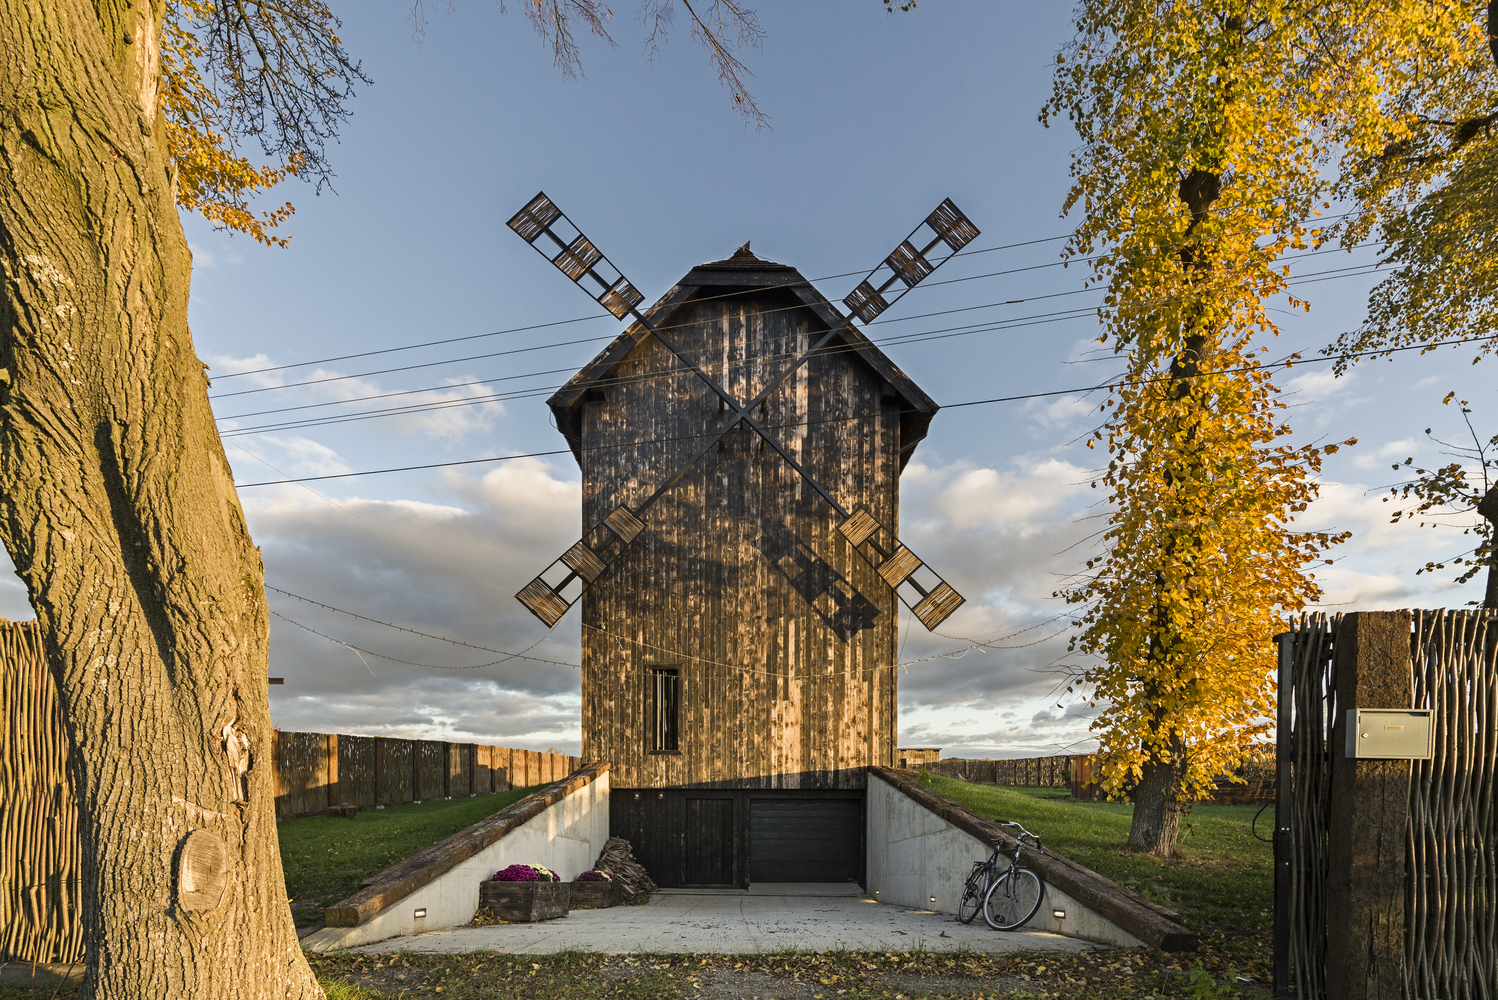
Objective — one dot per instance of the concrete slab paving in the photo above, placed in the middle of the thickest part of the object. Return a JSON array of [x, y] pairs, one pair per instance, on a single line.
[[766, 918]]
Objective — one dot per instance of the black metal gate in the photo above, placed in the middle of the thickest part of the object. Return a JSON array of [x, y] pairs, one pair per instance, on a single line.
[[1451, 891]]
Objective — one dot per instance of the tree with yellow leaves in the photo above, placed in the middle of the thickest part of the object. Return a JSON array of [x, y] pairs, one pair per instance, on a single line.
[[1429, 197], [1213, 134]]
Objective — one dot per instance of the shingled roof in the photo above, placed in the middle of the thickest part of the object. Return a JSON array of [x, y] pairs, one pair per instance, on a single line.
[[741, 270]]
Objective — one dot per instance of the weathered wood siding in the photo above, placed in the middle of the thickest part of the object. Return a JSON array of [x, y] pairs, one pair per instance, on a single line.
[[784, 637], [356, 771]]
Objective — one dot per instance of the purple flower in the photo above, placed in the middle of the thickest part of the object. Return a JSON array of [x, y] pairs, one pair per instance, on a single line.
[[594, 875], [526, 873]]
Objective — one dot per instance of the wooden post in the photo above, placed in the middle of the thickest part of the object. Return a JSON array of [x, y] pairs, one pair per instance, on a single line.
[[332, 769], [447, 769], [1367, 833], [275, 769], [379, 768]]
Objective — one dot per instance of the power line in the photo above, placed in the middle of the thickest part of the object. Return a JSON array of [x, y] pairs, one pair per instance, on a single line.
[[900, 339], [580, 319], [758, 312], [425, 635], [583, 319], [413, 663], [416, 408], [691, 353], [1110, 385]]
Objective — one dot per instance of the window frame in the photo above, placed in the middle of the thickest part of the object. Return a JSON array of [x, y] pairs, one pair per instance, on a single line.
[[662, 709]]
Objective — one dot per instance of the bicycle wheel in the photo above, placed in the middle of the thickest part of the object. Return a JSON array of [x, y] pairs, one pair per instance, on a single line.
[[972, 897], [1013, 899]]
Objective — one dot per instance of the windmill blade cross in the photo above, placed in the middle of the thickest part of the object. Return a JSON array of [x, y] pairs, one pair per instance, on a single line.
[[578, 258]]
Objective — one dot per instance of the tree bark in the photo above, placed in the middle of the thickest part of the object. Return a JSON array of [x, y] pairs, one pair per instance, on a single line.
[[1488, 508], [1157, 813], [119, 511]]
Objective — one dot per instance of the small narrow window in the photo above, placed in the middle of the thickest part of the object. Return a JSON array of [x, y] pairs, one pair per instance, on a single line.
[[662, 698]]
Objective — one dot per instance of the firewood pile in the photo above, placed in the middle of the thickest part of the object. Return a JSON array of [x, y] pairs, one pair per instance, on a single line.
[[619, 861]]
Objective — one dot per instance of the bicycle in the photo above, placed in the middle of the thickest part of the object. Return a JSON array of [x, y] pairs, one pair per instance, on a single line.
[[1009, 898]]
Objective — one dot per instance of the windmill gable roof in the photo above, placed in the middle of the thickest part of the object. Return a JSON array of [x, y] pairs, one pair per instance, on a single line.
[[745, 270]]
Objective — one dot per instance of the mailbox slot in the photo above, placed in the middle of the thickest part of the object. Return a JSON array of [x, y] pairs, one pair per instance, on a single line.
[[1390, 733]]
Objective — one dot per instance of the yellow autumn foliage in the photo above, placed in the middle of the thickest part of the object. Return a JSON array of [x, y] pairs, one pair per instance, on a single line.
[[211, 176], [1213, 137]]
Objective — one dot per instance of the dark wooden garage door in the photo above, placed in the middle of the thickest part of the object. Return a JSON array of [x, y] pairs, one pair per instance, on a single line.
[[709, 842], [805, 840]]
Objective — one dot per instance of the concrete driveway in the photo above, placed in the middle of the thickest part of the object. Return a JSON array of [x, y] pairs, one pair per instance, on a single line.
[[765, 918]]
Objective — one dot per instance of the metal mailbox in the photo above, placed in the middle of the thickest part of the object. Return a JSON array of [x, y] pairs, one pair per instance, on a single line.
[[1390, 733]]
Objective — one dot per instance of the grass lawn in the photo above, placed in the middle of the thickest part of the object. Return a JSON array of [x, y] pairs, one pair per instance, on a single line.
[[326, 859], [1222, 883]]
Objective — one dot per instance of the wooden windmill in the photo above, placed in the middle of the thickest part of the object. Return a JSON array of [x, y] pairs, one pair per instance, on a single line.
[[741, 445], [576, 256]]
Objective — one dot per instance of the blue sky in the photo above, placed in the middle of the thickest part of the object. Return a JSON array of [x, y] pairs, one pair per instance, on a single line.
[[875, 118]]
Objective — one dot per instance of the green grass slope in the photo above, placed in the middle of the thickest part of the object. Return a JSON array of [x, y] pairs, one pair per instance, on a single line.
[[326, 859], [1222, 882]]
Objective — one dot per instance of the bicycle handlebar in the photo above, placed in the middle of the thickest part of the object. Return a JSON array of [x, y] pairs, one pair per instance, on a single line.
[[1023, 833]]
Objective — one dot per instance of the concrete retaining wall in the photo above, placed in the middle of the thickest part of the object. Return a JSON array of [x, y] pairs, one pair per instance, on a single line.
[[565, 834], [920, 859]]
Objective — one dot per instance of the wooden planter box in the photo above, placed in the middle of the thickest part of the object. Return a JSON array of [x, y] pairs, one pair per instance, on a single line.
[[526, 902], [595, 895]]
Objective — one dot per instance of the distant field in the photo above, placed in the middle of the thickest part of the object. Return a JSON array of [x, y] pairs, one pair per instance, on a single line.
[[1222, 883], [326, 859]]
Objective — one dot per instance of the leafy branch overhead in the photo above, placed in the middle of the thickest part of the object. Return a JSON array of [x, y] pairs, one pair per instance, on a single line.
[[234, 70], [277, 73]]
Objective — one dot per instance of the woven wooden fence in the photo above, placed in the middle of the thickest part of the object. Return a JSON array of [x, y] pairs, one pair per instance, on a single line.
[[40, 898], [1452, 924], [1448, 925]]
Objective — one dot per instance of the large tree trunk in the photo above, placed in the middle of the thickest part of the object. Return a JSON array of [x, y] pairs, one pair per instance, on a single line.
[[1157, 817], [120, 514]]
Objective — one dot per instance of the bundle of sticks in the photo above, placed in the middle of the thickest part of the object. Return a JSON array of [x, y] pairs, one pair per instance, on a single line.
[[618, 859]]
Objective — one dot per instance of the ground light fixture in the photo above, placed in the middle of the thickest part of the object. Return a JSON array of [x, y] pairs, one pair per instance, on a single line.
[[421, 913], [1059, 914]]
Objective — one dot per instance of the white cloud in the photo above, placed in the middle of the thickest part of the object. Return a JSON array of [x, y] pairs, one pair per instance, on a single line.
[[1386, 454], [282, 398]]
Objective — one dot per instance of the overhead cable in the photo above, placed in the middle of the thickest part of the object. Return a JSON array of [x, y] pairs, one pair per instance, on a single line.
[[1109, 385]]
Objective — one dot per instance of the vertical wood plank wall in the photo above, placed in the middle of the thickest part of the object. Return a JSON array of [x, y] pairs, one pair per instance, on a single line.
[[379, 770], [784, 637]]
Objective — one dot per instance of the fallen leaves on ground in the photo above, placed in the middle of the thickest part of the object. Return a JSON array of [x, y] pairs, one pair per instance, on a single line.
[[1112, 974]]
